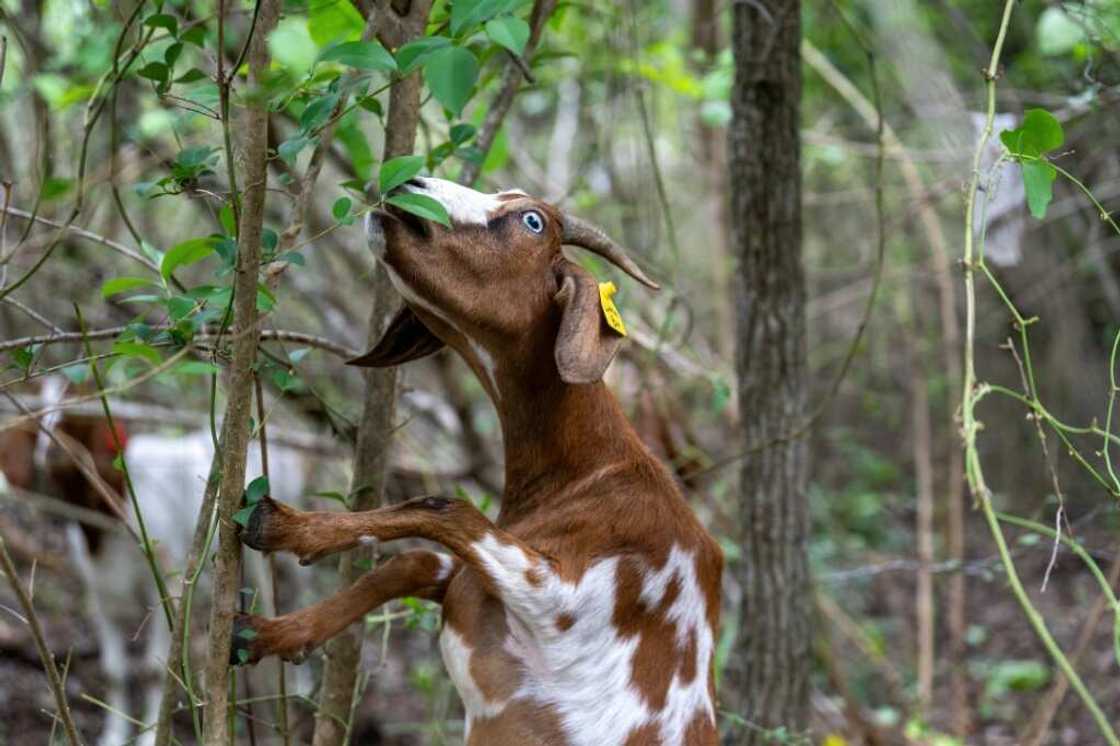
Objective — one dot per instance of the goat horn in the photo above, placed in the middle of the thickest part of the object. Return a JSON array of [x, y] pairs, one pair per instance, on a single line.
[[581, 233]]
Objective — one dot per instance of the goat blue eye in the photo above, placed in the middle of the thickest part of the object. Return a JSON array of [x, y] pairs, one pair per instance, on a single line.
[[533, 221]]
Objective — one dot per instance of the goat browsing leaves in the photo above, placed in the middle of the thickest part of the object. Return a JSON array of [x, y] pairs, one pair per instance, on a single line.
[[421, 205], [397, 171]]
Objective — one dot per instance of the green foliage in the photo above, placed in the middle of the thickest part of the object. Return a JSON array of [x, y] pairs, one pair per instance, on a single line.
[[450, 73], [363, 55], [397, 171], [421, 205], [1029, 143]]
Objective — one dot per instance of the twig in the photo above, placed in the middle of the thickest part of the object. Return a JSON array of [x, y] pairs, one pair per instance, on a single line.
[[310, 340], [45, 655], [107, 242], [250, 221], [970, 427], [503, 100]]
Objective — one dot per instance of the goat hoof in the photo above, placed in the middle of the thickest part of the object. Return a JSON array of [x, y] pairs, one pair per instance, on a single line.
[[255, 534], [242, 650]]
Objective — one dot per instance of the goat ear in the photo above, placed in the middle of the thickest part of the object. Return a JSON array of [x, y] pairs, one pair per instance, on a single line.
[[405, 339], [585, 344]]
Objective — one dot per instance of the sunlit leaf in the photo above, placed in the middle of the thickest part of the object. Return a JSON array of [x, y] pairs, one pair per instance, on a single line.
[[510, 32], [121, 284], [422, 206], [397, 171], [187, 252], [451, 74], [1038, 180], [1039, 134], [412, 55], [363, 55]]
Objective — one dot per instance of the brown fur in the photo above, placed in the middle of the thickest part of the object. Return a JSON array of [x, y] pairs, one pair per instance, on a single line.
[[580, 486]]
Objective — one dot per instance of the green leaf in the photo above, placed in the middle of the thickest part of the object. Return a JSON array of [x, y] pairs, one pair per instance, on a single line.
[[180, 307], [292, 257], [247, 633], [1039, 133], [397, 171], [412, 55], [266, 301], [121, 284], [318, 112], [137, 349], [156, 71], [163, 20], [195, 35], [462, 132], [171, 55], [334, 20], [290, 149], [510, 32], [341, 208], [187, 252], [291, 45], [241, 518], [1038, 179], [196, 368], [467, 13], [257, 489], [421, 205], [55, 187], [191, 76], [451, 74], [363, 55]]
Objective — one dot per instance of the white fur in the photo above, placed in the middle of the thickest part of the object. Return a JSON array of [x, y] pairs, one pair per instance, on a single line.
[[169, 477], [584, 673], [464, 205], [446, 565]]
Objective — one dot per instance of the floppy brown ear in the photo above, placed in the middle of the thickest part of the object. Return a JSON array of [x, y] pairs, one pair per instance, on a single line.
[[585, 344], [405, 339]]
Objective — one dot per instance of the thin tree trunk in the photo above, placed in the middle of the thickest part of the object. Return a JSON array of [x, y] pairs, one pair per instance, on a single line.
[[375, 429], [923, 473], [768, 674], [240, 396]]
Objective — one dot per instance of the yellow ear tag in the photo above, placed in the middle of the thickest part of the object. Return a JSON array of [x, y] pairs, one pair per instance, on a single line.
[[614, 318]]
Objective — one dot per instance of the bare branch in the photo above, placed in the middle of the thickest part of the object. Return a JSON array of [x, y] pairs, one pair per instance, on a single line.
[[45, 655]]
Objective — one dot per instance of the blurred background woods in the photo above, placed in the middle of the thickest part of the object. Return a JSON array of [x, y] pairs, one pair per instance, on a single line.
[[127, 124]]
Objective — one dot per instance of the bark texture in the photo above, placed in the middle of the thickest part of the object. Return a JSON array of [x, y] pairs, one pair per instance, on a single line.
[[768, 674], [236, 433], [375, 429]]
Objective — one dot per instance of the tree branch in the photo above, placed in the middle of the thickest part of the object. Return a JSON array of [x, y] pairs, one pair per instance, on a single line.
[[45, 655]]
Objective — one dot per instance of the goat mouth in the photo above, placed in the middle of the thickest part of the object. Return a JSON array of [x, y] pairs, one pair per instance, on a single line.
[[413, 223]]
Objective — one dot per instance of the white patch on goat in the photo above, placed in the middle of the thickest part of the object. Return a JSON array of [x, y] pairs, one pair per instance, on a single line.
[[446, 565], [464, 205], [584, 673], [457, 658]]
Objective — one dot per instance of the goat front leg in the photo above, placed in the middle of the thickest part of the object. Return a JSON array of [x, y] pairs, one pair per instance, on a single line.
[[510, 569], [294, 635]]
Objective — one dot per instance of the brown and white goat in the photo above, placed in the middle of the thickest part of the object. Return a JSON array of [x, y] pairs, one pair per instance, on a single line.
[[587, 613]]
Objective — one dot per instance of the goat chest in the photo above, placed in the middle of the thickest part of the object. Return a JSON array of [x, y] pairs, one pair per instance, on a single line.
[[621, 655]]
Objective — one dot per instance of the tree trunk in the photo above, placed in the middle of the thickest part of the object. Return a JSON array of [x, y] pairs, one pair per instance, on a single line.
[[379, 406], [235, 425], [768, 674]]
